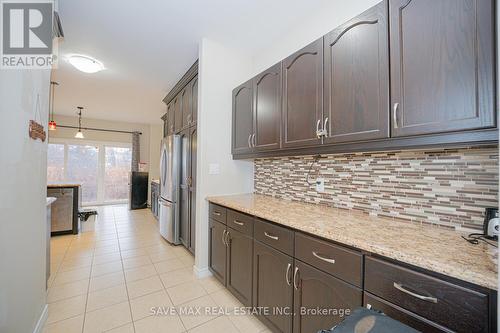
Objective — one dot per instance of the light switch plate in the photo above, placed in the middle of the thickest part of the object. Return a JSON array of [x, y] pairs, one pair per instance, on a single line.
[[213, 169], [320, 185]]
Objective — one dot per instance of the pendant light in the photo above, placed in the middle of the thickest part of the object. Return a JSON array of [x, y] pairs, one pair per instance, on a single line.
[[52, 123], [79, 134]]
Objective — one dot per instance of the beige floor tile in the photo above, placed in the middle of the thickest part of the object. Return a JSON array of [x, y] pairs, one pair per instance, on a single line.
[[71, 325], [220, 324], [72, 276], [185, 292], [143, 287], [106, 281], [140, 273], [197, 312], [162, 256], [128, 328], [107, 268], [247, 323], [223, 298], [106, 249], [210, 284], [136, 262], [142, 306], [107, 318], [159, 324], [188, 261], [133, 253], [72, 264], [106, 297], [105, 258], [66, 308], [168, 265], [176, 277], [67, 290]]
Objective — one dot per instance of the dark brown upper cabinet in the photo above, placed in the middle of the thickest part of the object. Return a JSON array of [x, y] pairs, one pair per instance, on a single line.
[[194, 101], [356, 71], [442, 65], [170, 118], [303, 96], [177, 108], [186, 104], [242, 134], [267, 109]]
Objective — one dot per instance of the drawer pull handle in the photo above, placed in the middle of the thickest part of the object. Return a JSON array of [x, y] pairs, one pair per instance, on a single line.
[[287, 275], [400, 287], [295, 285], [271, 236], [224, 238], [331, 261], [238, 222], [217, 214]]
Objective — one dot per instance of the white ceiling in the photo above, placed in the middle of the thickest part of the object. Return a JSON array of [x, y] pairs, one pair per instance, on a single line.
[[147, 46]]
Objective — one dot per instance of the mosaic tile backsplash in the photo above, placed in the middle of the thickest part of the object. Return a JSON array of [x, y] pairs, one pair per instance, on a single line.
[[448, 188]]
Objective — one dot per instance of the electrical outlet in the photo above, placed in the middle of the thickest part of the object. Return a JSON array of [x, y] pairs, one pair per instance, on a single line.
[[320, 185]]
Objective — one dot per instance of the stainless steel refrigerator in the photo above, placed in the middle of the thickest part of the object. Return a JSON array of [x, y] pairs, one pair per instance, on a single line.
[[170, 166]]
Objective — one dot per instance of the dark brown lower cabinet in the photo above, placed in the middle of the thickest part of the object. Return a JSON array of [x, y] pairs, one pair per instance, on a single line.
[[409, 318], [272, 287], [320, 300], [239, 265], [217, 254]]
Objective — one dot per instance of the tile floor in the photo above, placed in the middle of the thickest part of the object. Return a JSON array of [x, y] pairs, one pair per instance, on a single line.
[[107, 279]]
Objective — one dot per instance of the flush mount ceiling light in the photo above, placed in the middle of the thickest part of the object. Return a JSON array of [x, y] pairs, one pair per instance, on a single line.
[[85, 64]]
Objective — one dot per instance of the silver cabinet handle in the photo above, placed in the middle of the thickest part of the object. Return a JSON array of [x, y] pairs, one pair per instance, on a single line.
[[217, 214], [318, 132], [270, 236], [331, 261], [400, 287], [395, 115], [254, 140], [224, 238], [287, 274], [295, 278], [228, 238], [325, 129], [238, 222], [249, 144]]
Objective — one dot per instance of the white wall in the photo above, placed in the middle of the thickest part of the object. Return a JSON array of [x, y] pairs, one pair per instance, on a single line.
[[220, 70], [23, 227], [308, 30]]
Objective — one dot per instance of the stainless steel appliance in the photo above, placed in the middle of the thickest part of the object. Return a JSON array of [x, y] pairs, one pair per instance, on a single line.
[[491, 222], [170, 162]]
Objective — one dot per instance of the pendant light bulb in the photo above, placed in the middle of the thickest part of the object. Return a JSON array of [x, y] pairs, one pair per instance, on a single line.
[[79, 134]]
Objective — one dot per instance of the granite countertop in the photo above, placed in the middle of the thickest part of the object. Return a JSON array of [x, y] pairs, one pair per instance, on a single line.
[[50, 200], [64, 185], [432, 248]]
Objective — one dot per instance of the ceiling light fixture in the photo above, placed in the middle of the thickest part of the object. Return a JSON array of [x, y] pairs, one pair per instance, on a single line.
[[85, 64], [79, 134]]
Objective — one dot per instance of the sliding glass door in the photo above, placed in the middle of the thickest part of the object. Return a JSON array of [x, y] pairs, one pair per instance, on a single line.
[[101, 168]]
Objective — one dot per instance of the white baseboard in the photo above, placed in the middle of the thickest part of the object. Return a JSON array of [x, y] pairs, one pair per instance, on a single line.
[[201, 272], [41, 321]]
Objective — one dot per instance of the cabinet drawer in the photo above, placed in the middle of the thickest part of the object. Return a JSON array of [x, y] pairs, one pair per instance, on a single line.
[[455, 307], [241, 222], [275, 236], [406, 317], [333, 259], [217, 213]]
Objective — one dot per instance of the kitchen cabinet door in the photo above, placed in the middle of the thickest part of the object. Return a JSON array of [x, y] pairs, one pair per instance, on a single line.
[[303, 96], [177, 108], [242, 118], [357, 78], [239, 266], [186, 105], [217, 255], [267, 109], [170, 118], [442, 65], [272, 287], [315, 289], [194, 101], [184, 205]]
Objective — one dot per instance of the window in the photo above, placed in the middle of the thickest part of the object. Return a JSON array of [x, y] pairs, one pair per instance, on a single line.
[[102, 169]]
